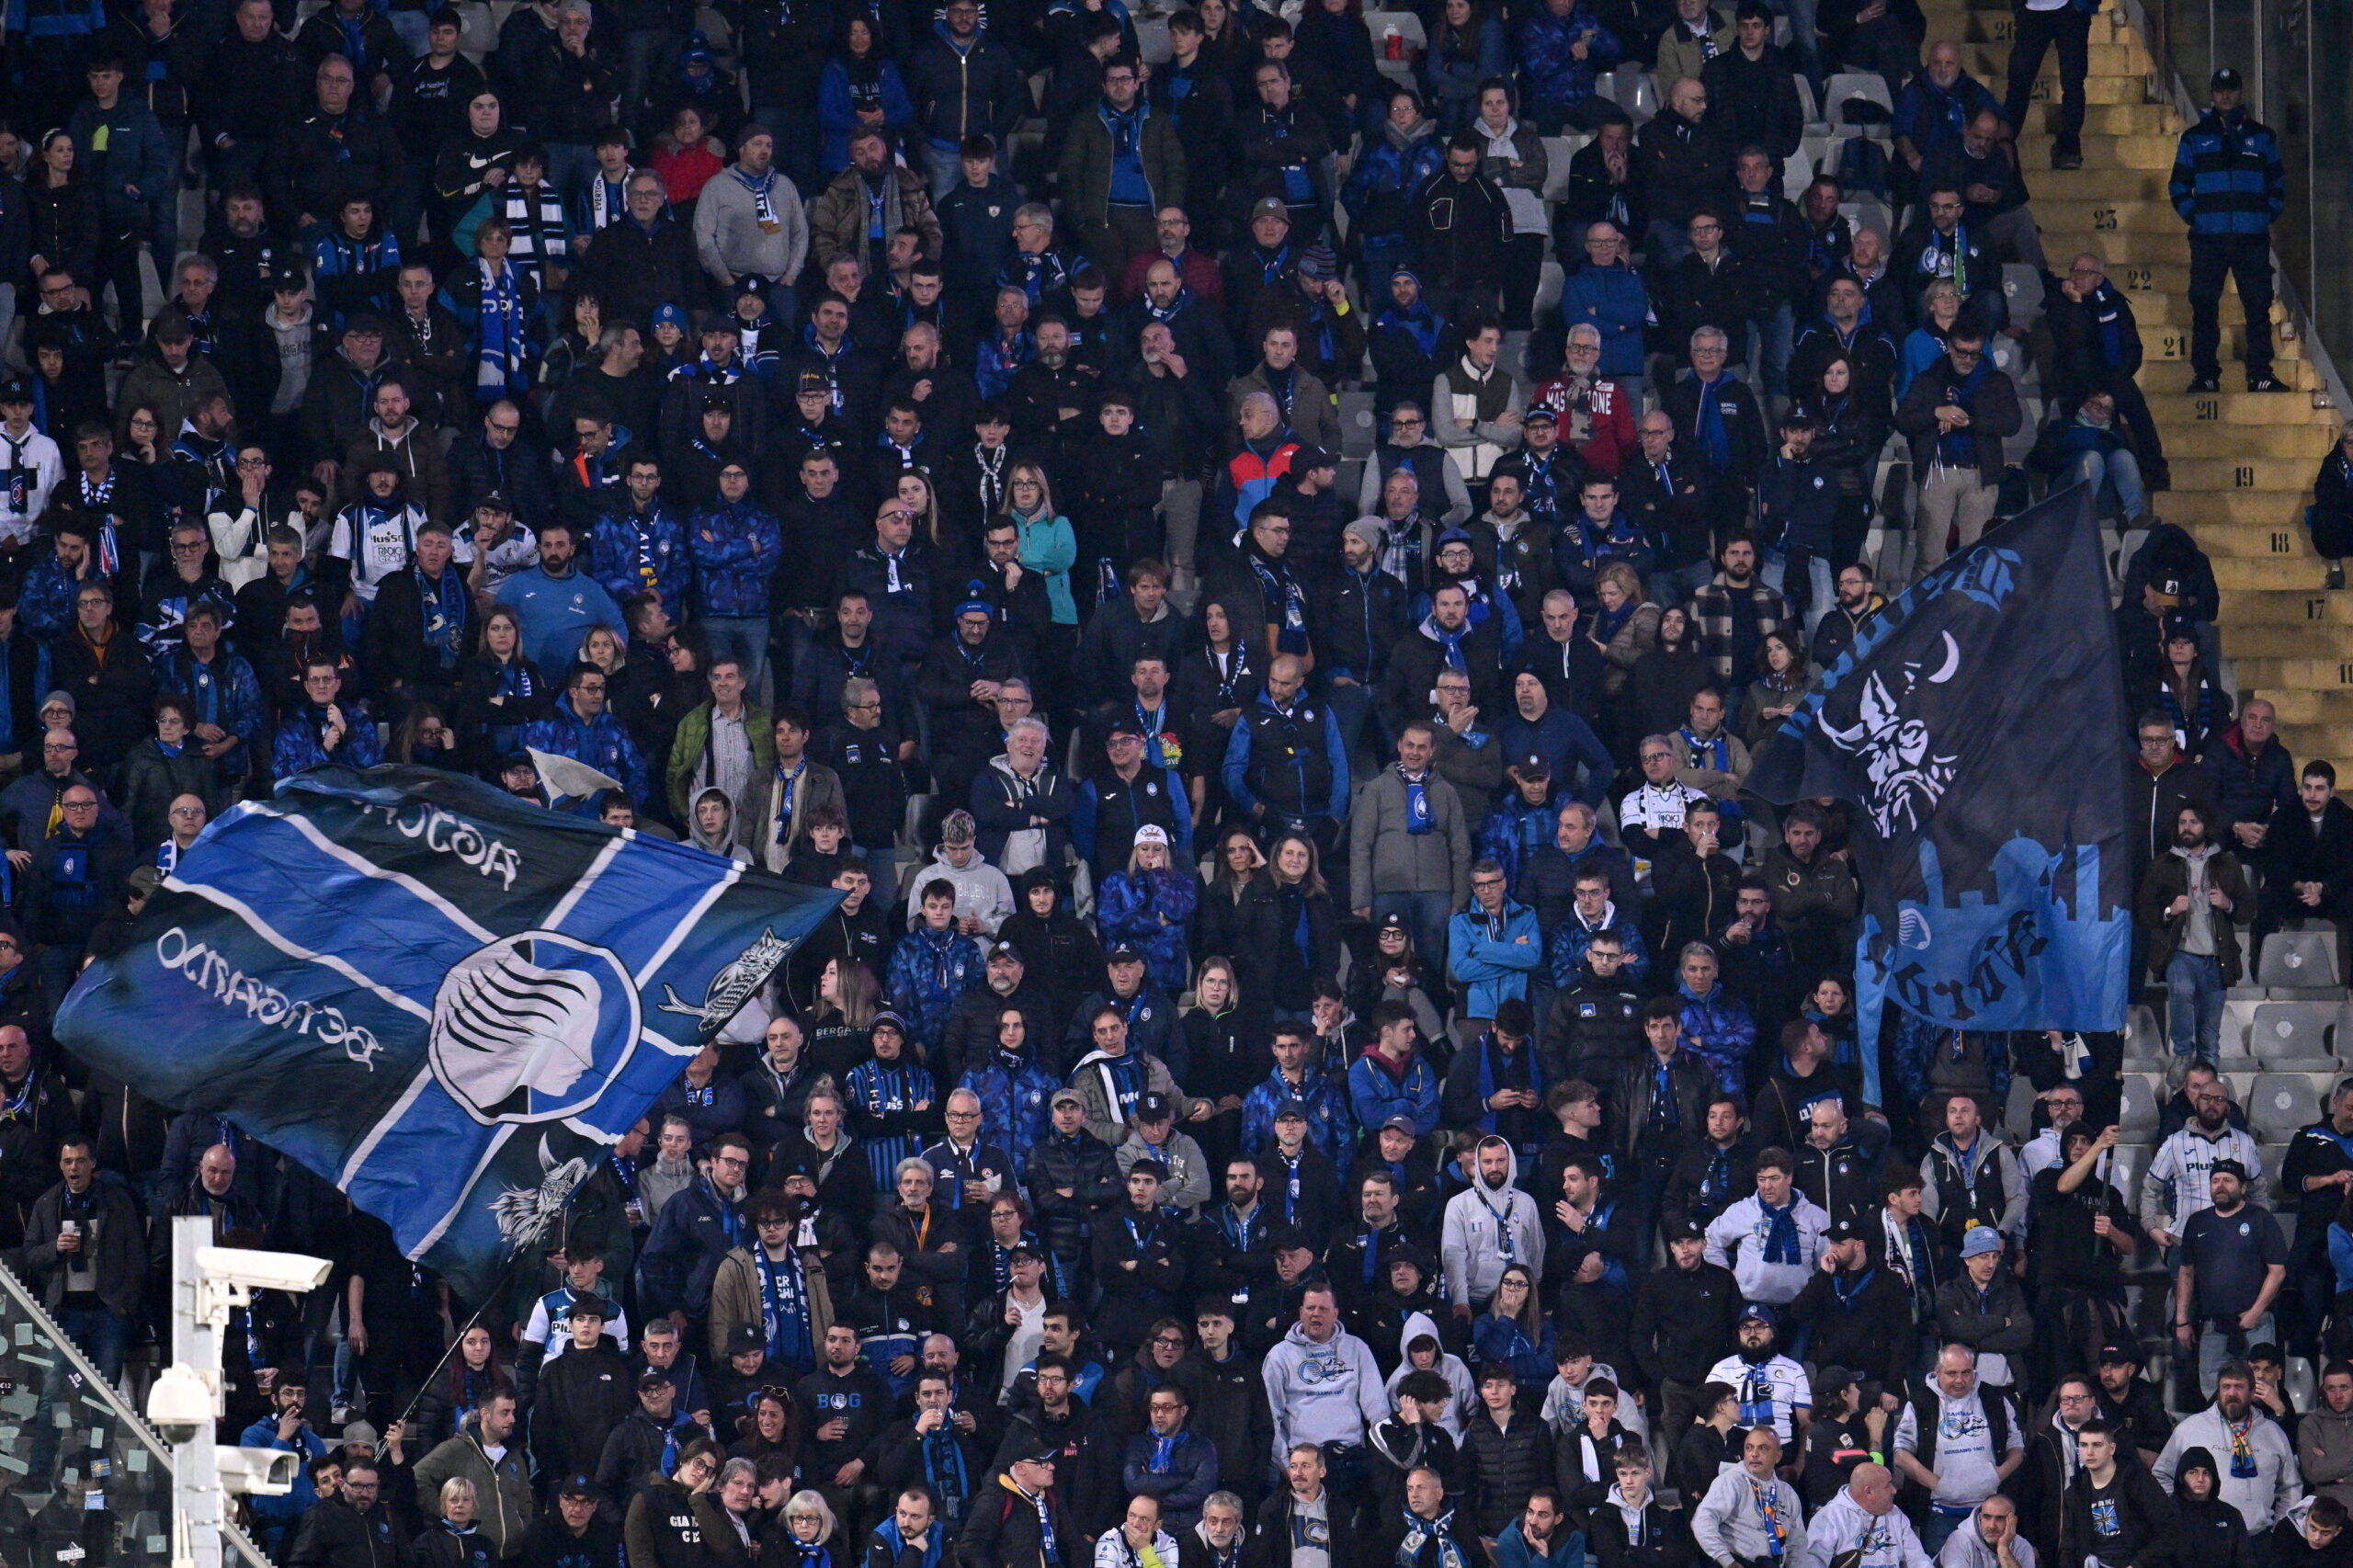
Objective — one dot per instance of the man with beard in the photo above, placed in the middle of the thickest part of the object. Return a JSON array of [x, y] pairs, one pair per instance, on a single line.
[[2230, 1267], [1711, 1172], [1860, 1315], [1774, 1393], [2310, 868], [1855, 606], [846, 1405], [1488, 1227], [1749, 1514], [2186, 903], [2178, 1183], [1682, 1326]]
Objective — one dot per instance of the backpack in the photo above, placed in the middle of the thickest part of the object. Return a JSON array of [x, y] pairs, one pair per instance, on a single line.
[[1862, 166]]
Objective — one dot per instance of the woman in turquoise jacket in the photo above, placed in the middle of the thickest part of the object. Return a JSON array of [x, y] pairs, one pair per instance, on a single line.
[[1048, 548]]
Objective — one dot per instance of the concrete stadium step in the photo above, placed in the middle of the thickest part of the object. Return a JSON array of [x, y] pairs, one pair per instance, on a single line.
[[1990, 61], [2068, 234], [2103, 215], [2153, 307], [2304, 443], [2309, 609], [2321, 677], [2233, 573], [2272, 411], [2171, 376], [2331, 704], [2098, 89], [2308, 641], [2089, 184], [2248, 475], [2103, 154], [2240, 523], [2112, 119]]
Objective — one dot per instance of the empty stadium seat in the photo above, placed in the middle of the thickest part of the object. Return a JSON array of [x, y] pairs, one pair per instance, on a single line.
[[1558, 150], [2291, 1037], [1797, 172], [2023, 284], [2137, 1116], [1848, 85], [2298, 961], [1637, 93], [2128, 1163], [1805, 99], [1866, 211], [2281, 1105], [2144, 1044]]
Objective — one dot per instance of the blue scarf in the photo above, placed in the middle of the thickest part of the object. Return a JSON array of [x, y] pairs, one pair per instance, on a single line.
[[889, 1528], [1421, 323], [952, 1483], [1421, 1532], [498, 364], [1417, 802], [1710, 426], [1957, 448], [1049, 1548], [1781, 1232], [785, 784], [1451, 640], [1284, 588], [784, 1309], [1488, 1046], [443, 605], [1718, 752]]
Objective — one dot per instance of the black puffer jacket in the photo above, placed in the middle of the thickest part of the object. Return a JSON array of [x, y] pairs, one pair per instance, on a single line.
[[1084, 1163], [1509, 1463]]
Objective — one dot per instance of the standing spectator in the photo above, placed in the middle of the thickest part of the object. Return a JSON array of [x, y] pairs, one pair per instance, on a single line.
[[2261, 1479], [1957, 413], [2233, 1262], [2185, 904], [1957, 1442], [2230, 186]]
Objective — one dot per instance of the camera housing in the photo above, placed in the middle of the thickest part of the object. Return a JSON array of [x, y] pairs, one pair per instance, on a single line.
[[243, 1268], [179, 1405], [255, 1473]]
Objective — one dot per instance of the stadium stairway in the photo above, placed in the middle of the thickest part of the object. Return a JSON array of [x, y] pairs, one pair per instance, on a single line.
[[2242, 463]]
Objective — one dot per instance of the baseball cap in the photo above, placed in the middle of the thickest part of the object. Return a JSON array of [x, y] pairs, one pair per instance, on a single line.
[[2231, 1168], [1066, 1097], [670, 315], [1686, 1227], [1539, 414], [1124, 727], [746, 1336], [1006, 950], [2225, 80], [1980, 1240], [494, 501], [1304, 459], [14, 390], [1403, 1123], [2119, 1356], [1761, 1313], [1155, 1108], [1152, 833], [1270, 207], [1124, 952], [1294, 1105], [1533, 767], [653, 1378], [575, 1486]]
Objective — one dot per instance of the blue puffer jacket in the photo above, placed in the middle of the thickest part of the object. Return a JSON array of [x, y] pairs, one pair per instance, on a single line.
[[1375, 1094], [296, 746], [2228, 178], [734, 547], [1564, 954], [601, 743], [1717, 1027], [45, 604], [1614, 302], [929, 969], [225, 693], [1927, 113], [1017, 1097], [1379, 192], [627, 554], [1329, 1127], [1549, 68], [1149, 911]]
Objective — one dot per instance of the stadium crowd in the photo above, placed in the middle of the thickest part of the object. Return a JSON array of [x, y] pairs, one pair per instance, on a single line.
[[1315, 1064]]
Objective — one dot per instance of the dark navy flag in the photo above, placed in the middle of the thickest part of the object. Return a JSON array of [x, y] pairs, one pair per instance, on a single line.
[[1973, 727], [447, 1001]]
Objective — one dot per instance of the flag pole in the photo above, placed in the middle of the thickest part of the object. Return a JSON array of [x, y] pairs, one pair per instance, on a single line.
[[505, 1278]]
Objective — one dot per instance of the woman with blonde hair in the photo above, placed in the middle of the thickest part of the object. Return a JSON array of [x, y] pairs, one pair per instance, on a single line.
[[1049, 548], [843, 1033], [1308, 945], [1624, 626], [1148, 906]]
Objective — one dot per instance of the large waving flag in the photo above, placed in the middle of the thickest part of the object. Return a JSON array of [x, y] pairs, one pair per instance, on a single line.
[[1976, 727], [447, 1001]]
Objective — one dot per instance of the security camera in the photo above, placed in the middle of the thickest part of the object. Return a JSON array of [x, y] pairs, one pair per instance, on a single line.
[[255, 1473], [243, 1268], [179, 1405]]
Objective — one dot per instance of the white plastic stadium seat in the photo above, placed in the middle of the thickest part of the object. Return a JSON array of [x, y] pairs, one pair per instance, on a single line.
[[1853, 85], [2144, 1044], [2291, 1037], [2137, 1116], [2298, 961], [2282, 1104]]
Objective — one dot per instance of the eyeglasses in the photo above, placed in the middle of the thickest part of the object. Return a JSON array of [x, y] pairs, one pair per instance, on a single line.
[[1170, 1342], [253, 462], [188, 811], [497, 428]]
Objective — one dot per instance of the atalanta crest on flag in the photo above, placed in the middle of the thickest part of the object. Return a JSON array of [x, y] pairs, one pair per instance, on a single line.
[[1973, 726], [446, 1001]]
